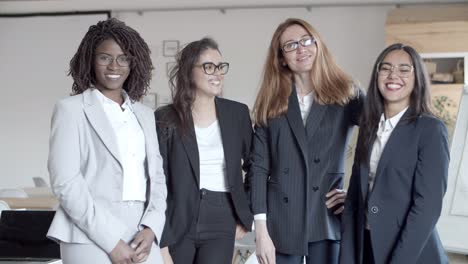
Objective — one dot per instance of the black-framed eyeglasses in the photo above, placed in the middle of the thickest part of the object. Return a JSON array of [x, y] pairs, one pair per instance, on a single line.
[[210, 68], [293, 45], [402, 70], [106, 60]]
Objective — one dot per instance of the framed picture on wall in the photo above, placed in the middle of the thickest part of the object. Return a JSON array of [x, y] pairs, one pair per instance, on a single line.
[[150, 100], [170, 48]]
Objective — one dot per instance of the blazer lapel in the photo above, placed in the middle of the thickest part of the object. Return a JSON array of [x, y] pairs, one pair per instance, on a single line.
[[191, 148], [316, 114], [145, 125], [295, 122], [392, 145], [98, 120], [226, 133]]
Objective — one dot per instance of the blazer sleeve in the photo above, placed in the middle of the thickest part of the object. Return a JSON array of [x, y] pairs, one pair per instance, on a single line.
[[247, 133], [430, 183], [163, 137], [69, 185], [155, 216], [356, 106], [348, 218], [260, 170]]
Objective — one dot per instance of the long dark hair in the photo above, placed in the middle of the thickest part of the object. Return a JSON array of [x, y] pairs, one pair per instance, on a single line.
[[131, 43], [374, 104], [181, 80]]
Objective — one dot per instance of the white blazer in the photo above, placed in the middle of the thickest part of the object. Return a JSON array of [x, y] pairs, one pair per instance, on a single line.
[[86, 173]]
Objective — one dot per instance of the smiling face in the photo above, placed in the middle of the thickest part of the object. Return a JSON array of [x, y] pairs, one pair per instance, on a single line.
[[208, 85], [112, 77], [395, 87], [301, 59]]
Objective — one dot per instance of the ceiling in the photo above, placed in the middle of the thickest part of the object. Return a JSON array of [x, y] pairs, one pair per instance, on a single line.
[[41, 6]]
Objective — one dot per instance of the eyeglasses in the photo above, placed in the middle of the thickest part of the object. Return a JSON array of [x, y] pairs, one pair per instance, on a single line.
[[402, 70], [210, 68], [293, 45], [106, 60]]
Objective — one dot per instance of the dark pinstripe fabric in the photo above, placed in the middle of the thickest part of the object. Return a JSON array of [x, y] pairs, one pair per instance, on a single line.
[[295, 166]]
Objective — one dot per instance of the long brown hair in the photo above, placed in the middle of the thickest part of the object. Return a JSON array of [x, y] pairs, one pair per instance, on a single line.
[[181, 80], [331, 85]]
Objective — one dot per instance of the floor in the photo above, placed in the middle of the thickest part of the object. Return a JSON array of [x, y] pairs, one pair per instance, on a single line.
[[458, 259]]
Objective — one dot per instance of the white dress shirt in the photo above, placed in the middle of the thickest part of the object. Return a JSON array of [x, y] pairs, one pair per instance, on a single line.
[[304, 105], [384, 131], [212, 162], [131, 144]]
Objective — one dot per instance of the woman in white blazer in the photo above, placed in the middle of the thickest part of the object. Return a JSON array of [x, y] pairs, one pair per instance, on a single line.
[[104, 163]]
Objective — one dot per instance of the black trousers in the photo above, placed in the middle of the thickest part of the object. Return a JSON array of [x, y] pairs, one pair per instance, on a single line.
[[212, 234], [368, 255], [323, 252]]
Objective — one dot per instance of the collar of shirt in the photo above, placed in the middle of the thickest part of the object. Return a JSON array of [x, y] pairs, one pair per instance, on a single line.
[[127, 104], [386, 125], [306, 99]]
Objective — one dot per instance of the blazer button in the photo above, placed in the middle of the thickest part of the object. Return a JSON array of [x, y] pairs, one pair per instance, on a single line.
[[315, 188], [286, 170], [285, 199], [374, 209], [316, 160]]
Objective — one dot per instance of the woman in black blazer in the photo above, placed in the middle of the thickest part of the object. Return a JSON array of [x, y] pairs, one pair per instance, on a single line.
[[304, 113], [400, 172], [205, 143]]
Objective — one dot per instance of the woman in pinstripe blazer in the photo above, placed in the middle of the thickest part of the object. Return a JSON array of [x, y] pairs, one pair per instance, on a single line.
[[304, 113]]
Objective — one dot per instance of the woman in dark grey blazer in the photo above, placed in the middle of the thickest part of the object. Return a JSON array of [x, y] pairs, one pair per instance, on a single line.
[[304, 113], [205, 143], [400, 172]]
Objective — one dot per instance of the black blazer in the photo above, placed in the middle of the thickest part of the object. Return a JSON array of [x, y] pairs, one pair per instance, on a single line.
[[295, 166], [406, 200], [182, 166]]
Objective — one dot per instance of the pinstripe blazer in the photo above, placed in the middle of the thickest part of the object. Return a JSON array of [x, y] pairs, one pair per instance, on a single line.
[[182, 166], [406, 200], [295, 166]]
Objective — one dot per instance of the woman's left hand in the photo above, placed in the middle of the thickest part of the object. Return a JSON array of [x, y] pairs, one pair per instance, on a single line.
[[142, 244], [240, 232], [336, 197]]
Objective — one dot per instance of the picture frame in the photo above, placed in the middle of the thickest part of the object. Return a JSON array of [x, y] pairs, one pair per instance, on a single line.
[[150, 100], [170, 48]]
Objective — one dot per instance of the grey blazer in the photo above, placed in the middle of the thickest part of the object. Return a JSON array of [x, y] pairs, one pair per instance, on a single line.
[[86, 173], [295, 166], [406, 200]]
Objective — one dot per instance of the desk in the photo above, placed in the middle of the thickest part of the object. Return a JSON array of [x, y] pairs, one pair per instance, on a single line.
[[40, 203]]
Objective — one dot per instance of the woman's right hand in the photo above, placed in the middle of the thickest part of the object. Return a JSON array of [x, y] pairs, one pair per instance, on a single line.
[[266, 252], [122, 253], [166, 256]]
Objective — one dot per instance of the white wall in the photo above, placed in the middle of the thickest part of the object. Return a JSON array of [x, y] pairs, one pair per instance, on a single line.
[[35, 55]]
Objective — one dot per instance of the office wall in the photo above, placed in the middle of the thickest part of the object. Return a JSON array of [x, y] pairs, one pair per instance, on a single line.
[[35, 55], [355, 35]]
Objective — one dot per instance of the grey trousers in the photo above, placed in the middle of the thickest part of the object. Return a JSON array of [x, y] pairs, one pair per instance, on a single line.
[[130, 213]]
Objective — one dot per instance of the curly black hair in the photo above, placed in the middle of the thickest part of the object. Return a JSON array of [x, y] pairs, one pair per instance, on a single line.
[[132, 44]]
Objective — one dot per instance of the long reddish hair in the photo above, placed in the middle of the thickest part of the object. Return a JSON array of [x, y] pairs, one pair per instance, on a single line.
[[331, 85]]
